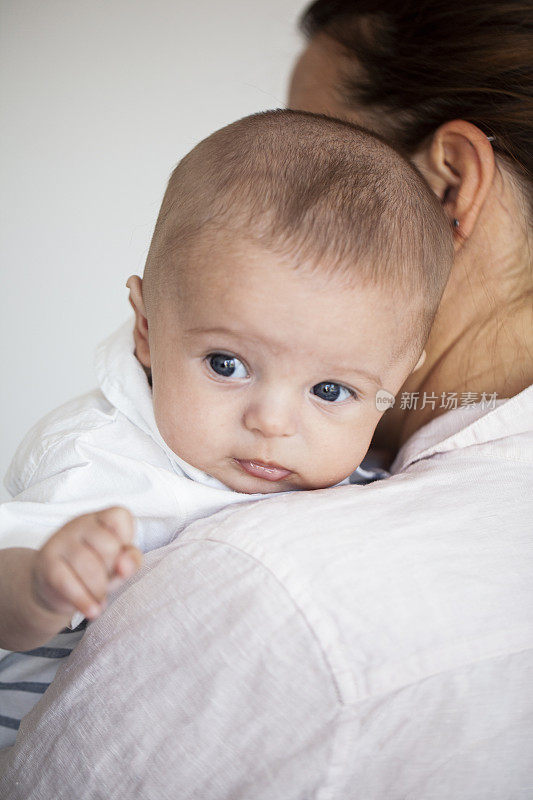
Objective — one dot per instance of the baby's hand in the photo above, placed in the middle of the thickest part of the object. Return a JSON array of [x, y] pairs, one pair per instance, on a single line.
[[86, 558]]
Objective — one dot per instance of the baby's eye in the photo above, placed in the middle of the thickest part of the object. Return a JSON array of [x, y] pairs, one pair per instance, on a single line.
[[228, 366], [332, 391]]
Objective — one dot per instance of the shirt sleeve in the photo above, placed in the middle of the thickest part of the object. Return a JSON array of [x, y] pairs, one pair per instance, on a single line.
[[229, 697], [81, 458], [55, 475]]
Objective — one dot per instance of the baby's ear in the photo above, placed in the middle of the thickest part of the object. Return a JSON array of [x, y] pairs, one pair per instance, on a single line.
[[140, 333], [419, 362]]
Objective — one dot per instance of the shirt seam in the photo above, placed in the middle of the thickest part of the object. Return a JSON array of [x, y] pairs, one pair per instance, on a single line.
[[431, 675], [333, 780], [485, 452], [341, 706]]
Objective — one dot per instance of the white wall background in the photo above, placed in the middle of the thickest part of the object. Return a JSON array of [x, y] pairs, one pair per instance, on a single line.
[[100, 100]]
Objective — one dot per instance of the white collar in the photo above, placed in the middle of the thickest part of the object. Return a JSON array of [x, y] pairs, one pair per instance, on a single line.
[[124, 383]]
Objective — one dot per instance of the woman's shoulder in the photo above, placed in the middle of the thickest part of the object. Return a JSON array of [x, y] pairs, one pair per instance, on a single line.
[[413, 556], [392, 618]]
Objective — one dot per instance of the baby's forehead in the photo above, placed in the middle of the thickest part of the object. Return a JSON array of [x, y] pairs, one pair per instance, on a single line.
[[270, 300], [244, 259]]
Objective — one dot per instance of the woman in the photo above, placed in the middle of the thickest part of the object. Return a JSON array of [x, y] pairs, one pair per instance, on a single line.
[[361, 642], [450, 84]]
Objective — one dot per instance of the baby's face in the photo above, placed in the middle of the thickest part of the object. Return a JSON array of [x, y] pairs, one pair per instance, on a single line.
[[265, 377]]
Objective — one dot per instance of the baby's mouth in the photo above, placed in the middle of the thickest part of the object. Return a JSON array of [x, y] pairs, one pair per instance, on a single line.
[[270, 472]]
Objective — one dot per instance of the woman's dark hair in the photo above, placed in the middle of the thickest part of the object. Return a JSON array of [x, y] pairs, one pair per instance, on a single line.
[[425, 62]]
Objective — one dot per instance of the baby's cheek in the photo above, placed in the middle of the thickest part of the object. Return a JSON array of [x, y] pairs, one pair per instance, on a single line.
[[350, 447], [331, 465], [200, 432], [174, 425]]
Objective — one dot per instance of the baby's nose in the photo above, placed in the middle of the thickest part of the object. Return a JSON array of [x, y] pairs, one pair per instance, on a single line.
[[271, 414]]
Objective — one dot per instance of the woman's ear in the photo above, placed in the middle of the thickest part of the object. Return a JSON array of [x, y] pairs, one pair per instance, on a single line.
[[458, 163], [140, 333]]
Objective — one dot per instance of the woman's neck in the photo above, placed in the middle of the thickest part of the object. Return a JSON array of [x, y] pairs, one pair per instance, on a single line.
[[482, 337]]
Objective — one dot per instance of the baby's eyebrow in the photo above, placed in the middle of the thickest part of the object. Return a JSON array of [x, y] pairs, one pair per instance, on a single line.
[[340, 369], [225, 332], [370, 376], [210, 330]]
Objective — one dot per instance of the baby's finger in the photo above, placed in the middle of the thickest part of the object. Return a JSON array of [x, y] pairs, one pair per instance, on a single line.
[[106, 532], [88, 566], [61, 590], [118, 521], [128, 562], [103, 542]]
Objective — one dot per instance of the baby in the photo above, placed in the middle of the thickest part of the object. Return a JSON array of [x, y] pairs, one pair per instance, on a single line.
[[294, 272]]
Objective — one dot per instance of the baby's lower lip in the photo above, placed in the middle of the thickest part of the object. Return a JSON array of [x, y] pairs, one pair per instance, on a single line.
[[266, 471]]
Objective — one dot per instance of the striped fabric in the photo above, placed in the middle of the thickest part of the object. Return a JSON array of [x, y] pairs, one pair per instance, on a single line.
[[24, 677]]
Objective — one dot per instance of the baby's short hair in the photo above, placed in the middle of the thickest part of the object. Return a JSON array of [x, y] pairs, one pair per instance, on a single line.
[[324, 191]]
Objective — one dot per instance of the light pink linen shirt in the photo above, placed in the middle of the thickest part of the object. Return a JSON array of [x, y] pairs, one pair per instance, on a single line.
[[355, 643]]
